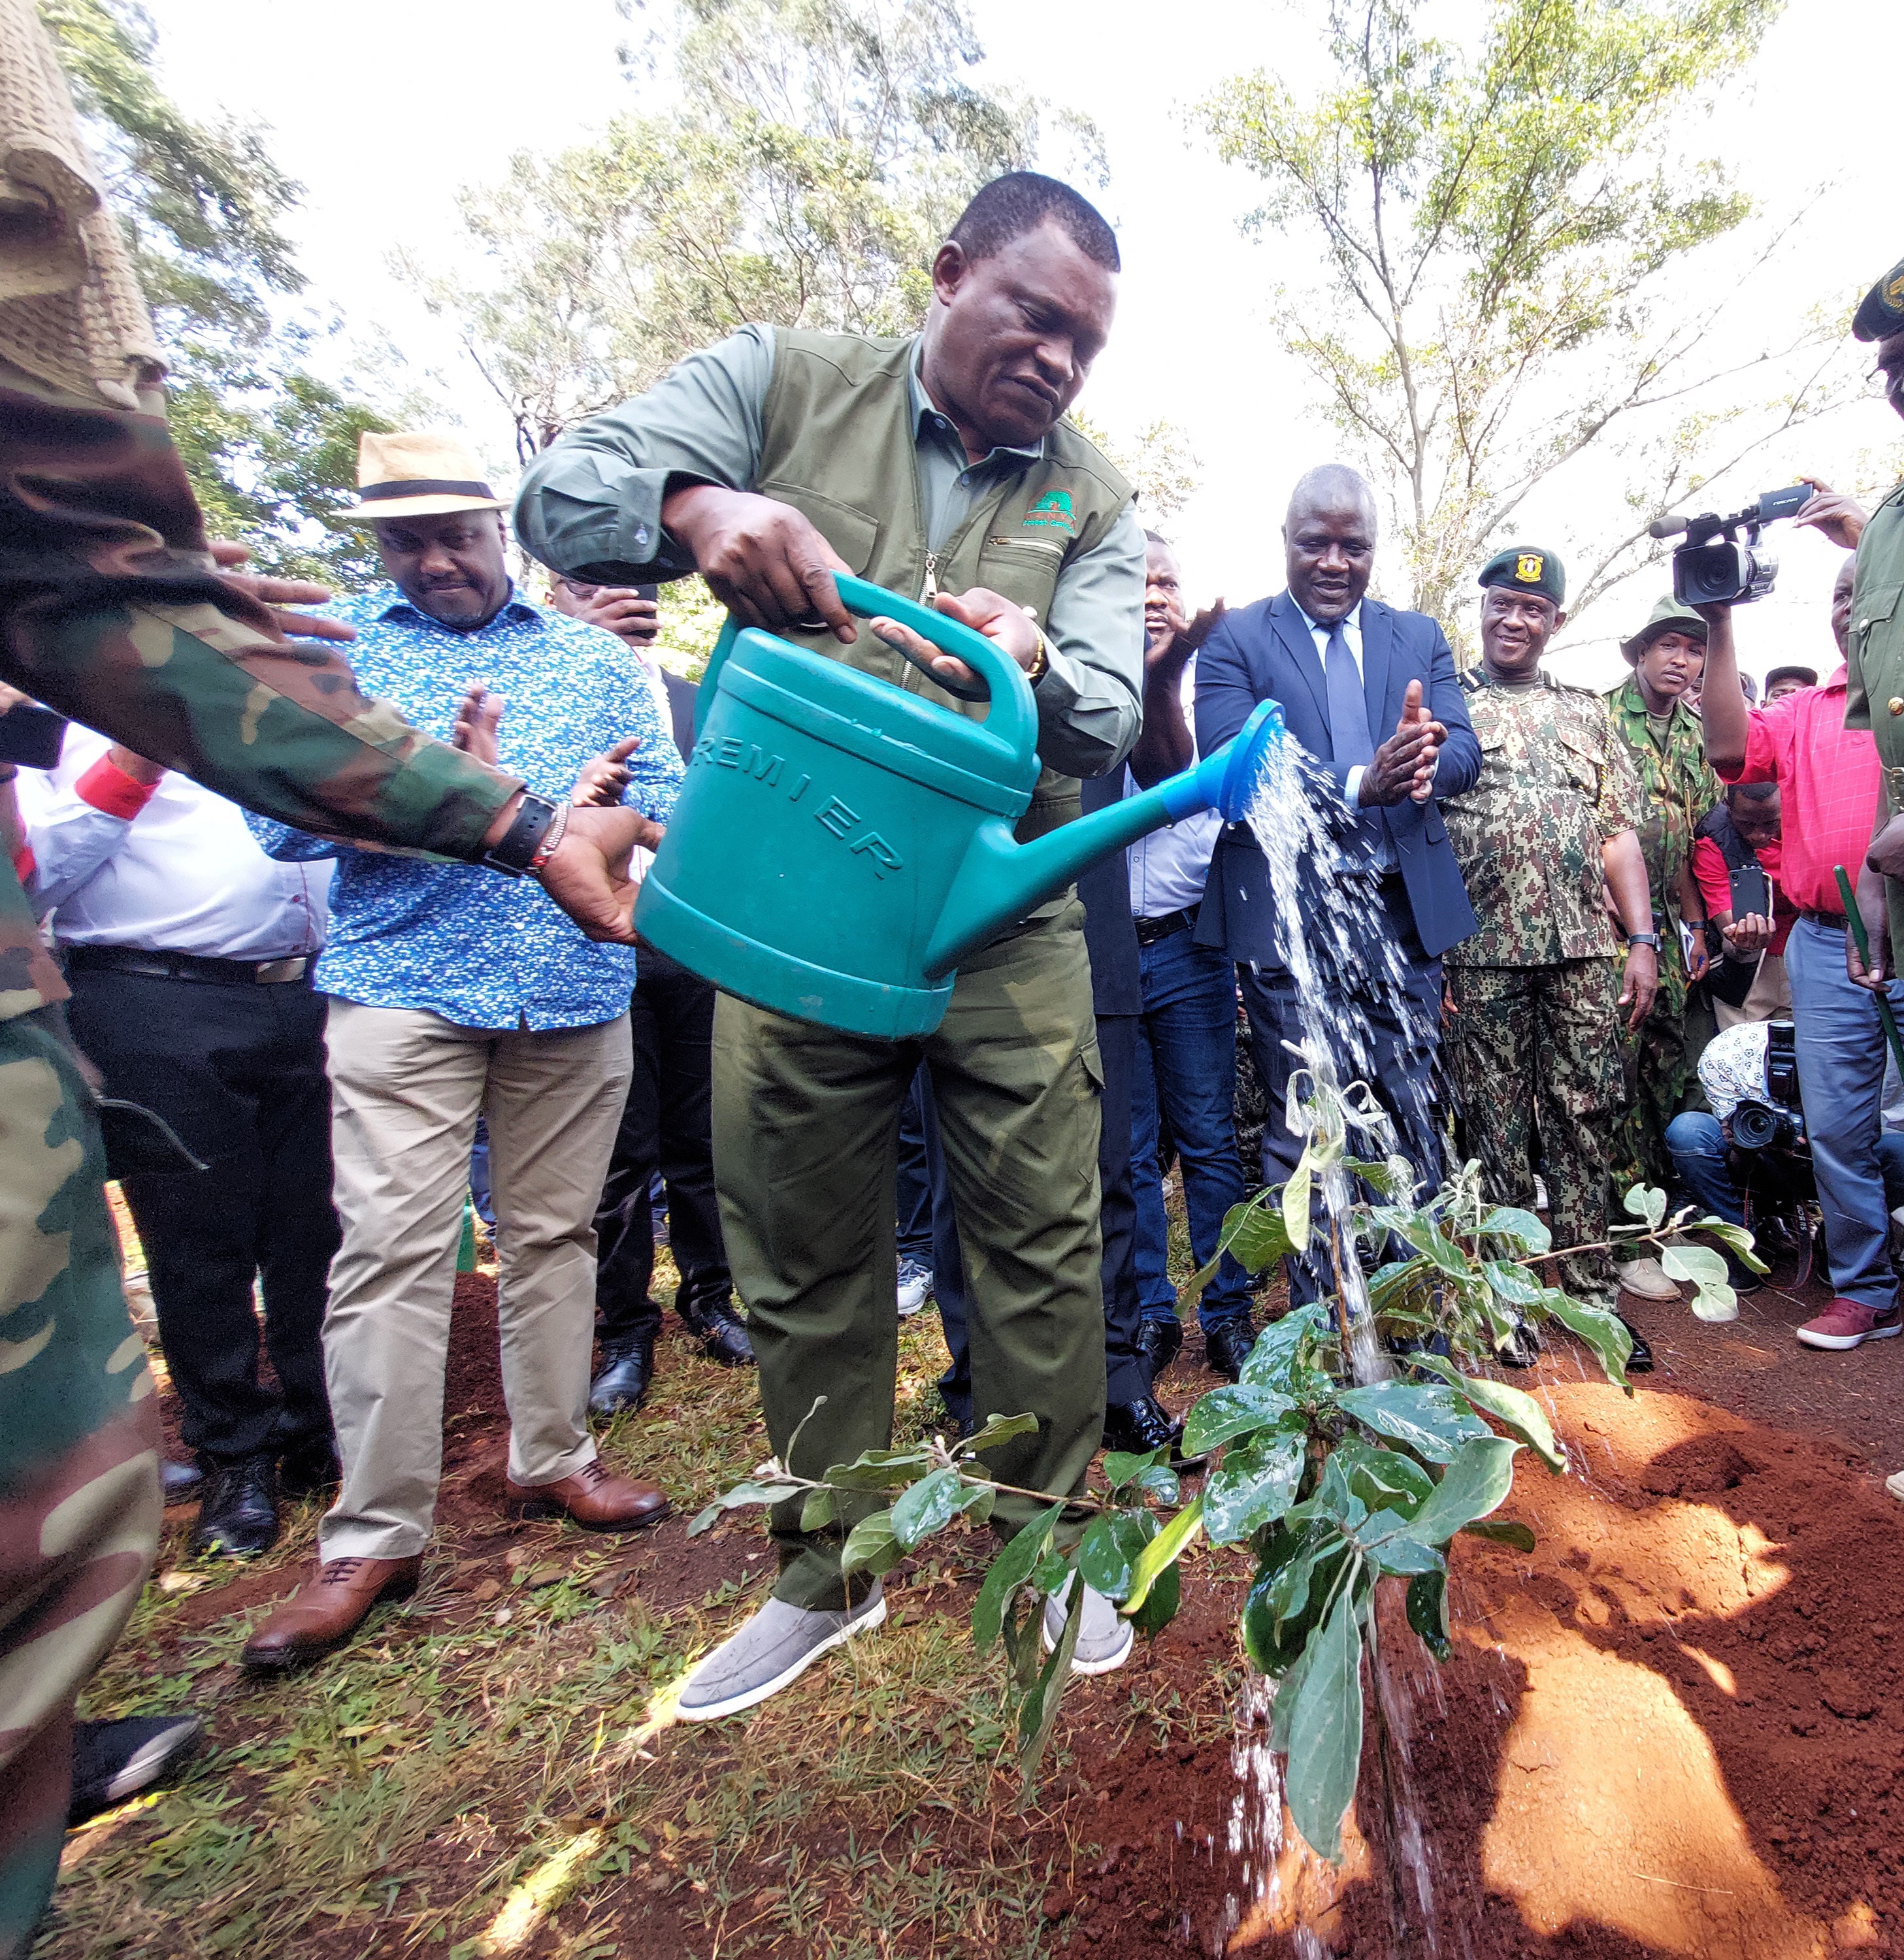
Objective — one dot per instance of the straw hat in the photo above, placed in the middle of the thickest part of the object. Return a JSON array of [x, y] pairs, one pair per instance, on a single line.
[[418, 474]]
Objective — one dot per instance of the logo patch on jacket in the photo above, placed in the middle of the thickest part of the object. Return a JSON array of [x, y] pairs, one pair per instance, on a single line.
[[1053, 512]]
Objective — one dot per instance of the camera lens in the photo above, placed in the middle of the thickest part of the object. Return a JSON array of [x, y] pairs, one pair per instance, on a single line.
[[1755, 1127]]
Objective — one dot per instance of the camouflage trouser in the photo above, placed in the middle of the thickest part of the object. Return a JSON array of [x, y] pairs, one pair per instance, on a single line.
[[1535, 1067], [79, 1491], [1655, 1066], [806, 1155]]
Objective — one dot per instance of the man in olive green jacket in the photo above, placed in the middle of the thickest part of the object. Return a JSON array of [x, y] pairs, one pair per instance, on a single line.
[[937, 465]]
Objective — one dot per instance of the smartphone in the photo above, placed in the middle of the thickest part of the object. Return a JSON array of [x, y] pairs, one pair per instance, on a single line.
[[1751, 891], [32, 735]]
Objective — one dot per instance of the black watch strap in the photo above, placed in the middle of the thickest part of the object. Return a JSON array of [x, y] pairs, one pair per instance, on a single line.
[[514, 851], [1651, 939]]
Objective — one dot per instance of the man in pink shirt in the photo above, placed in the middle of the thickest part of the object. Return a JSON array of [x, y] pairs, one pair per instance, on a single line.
[[1827, 778]]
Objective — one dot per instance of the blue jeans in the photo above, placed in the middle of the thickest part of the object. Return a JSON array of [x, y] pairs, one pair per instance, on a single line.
[[1840, 1046], [1186, 1066], [1699, 1148], [915, 1175]]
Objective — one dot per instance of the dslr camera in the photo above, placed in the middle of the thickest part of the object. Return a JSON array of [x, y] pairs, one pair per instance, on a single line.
[[1716, 566]]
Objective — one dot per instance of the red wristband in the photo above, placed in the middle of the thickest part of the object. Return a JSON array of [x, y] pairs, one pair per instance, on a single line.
[[106, 787]]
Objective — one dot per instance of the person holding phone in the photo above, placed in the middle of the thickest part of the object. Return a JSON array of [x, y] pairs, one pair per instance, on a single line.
[[1737, 862]]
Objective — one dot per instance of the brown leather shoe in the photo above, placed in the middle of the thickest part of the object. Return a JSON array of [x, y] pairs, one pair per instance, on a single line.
[[594, 1497], [323, 1613]]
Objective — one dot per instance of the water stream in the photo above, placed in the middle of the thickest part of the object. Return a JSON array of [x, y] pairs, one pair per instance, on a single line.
[[1347, 974]]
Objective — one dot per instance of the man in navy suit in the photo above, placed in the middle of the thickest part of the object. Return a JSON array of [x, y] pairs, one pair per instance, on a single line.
[[1371, 694]]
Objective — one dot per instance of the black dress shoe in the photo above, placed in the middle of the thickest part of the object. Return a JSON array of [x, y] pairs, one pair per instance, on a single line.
[[238, 1514], [1739, 1276], [1521, 1349], [1158, 1341], [722, 1334], [1226, 1347], [1640, 1362], [1142, 1425], [309, 1472], [628, 1366], [113, 1761], [179, 1480]]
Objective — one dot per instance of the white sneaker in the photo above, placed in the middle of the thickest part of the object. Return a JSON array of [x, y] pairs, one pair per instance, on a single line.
[[771, 1650], [1647, 1280], [1105, 1640], [915, 1287]]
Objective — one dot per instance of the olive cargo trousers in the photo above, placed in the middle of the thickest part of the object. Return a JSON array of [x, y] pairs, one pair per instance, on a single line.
[[805, 1154]]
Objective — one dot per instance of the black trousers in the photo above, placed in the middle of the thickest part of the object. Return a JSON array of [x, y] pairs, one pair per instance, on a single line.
[[238, 1071], [667, 1125], [1401, 1031], [1126, 1377]]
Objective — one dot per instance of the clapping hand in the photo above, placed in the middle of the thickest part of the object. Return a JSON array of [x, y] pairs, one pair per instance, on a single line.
[[604, 778], [1404, 765], [478, 715]]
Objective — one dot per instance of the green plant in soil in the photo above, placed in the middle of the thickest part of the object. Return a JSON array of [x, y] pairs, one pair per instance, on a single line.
[[1339, 1477]]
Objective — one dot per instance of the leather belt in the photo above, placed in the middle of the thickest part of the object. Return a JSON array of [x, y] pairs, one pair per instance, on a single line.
[[1832, 921], [187, 967], [1150, 930]]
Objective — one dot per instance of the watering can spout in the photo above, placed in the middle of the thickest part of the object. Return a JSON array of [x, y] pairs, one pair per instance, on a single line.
[[1000, 880]]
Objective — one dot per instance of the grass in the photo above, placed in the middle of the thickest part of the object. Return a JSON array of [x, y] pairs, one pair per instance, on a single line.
[[490, 1769]]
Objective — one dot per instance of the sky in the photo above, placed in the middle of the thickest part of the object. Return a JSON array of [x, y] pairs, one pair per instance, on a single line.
[[383, 109]]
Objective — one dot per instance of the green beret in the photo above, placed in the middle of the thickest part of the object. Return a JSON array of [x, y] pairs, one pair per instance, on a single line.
[[1668, 616], [1880, 313], [1527, 568]]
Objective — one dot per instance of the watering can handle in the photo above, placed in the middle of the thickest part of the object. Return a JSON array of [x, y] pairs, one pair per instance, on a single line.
[[1014, 719]]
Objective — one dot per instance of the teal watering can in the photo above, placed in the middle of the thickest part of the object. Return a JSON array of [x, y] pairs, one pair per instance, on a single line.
[[840, 845]]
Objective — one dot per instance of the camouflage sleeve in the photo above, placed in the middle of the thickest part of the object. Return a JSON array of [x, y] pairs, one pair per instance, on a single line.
[[1622, 803], [112, 612]]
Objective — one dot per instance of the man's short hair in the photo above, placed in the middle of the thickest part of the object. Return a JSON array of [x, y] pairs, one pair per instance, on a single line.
[[1804, 676], [1738, 793], [1019, 202], [1331, 483], [1158, 538]]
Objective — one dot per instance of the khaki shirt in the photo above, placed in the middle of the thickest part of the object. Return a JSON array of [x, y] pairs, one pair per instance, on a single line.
[[1556, 782]]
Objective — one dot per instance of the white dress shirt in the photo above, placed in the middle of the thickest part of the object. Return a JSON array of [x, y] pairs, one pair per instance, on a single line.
[[174, 871], [1170, 868]]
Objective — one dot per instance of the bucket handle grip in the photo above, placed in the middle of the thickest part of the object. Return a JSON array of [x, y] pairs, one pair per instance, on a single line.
[[1014, 719]]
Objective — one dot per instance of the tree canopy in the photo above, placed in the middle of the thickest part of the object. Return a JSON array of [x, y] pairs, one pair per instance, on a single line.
[[1509, 231], [817, 154]]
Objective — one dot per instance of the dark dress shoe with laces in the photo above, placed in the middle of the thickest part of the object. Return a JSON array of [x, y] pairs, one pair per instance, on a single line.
[[1640, 1362], [627, 1367], [1226, 1347], [1158, 1341], [238, 1514], [321, 1614], [113, 1761], [1521, 1349], [593, 1497], [1144, 1424], [722, 1334]]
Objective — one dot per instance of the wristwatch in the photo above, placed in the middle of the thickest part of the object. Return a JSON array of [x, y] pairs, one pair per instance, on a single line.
[[1651, 939], [516, 852]]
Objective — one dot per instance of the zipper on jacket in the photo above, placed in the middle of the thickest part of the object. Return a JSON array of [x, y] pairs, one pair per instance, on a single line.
[[1029, 544], [931, 591]]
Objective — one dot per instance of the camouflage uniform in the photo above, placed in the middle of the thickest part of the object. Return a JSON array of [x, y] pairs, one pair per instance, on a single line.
[[1677, 788], [110, 611], [1532, 1050]]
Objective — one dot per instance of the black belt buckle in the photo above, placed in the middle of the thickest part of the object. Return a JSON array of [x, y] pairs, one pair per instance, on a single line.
[[1150, 930]]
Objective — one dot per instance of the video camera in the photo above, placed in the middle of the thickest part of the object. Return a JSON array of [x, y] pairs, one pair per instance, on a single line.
[[1778, 1124], [1713, 567]]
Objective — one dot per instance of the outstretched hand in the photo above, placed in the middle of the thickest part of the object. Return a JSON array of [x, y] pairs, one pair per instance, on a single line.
[[589, 876], [276, 594], [478, 715], [1403, 769]]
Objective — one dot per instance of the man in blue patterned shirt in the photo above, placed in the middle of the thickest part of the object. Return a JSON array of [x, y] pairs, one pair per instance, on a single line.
[[453, 992]]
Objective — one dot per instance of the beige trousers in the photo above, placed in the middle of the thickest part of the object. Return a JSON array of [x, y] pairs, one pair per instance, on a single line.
[[1769, 996], [406, 1089]]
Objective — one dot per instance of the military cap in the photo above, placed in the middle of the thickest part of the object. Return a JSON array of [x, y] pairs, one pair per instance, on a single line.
[[1527, 568], [1880, 313], [1668, 616]]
